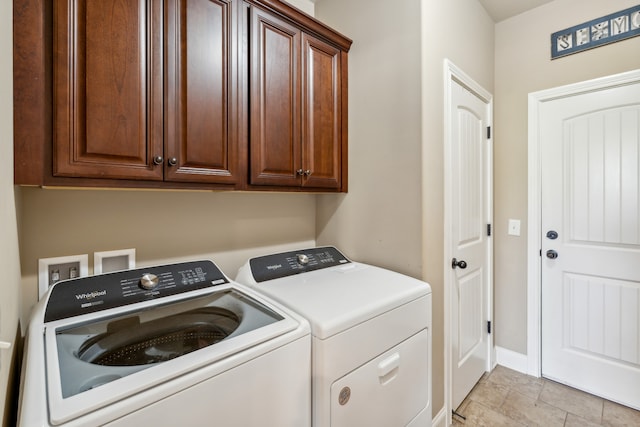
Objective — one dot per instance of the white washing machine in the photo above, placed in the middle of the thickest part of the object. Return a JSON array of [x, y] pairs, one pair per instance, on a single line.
[[371, 335], [174, 345]]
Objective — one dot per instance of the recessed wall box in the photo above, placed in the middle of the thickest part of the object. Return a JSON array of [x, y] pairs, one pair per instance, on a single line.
[[53, 270], [108, 261]]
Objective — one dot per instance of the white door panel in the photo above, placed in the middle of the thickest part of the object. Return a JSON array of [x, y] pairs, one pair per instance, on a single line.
[[590, 157], [469, 218]]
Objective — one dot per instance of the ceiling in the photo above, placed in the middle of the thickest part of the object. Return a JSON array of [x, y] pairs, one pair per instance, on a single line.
[[500, 10]]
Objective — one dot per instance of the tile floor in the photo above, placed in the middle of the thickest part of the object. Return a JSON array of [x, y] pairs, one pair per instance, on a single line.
[[508, 398]]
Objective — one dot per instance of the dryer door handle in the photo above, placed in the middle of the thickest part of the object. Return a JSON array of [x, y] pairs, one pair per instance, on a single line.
[[388, 368]]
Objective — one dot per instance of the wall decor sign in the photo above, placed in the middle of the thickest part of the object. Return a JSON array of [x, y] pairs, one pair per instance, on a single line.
[[598, 32]]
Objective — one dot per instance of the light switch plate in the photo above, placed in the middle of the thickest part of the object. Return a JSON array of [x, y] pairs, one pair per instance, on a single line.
[[514, 227]]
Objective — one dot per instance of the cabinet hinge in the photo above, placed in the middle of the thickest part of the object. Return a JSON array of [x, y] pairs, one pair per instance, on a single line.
[[488, 229], [488, 132], [489, 327]]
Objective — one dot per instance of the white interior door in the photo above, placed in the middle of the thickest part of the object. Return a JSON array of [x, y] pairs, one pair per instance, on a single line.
[[469, 216], [590, 186]]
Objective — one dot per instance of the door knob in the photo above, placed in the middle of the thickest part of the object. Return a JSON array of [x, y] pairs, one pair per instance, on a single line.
[[551, 234], [173, 161], [551, 254], [157, 160], [455, 263]]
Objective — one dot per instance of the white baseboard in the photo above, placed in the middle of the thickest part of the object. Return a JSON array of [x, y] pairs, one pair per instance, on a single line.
[[440, 420], [512, 360]]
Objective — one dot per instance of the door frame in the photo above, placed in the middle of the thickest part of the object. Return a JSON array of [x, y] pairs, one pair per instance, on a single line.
[[534, 228], [453, 73]]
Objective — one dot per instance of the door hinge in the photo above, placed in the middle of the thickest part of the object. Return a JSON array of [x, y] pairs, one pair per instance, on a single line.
[[489, 327], [488, 132], [488, 229]]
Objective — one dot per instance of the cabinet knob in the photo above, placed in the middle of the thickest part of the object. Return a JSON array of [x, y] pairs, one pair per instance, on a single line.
[[157, 160], [300, 172], [307, 172], [173, 161]]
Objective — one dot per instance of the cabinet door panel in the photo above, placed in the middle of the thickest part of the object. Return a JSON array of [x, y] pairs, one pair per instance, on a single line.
[[275, 92], [107, 89], [200, 119], [321, 145]]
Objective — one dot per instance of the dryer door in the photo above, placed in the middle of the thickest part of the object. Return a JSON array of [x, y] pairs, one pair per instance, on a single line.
[[391, 389]]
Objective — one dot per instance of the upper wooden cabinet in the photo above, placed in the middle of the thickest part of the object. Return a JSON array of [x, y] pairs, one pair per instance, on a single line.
[[145, 93], [178, 94], [201, 136], [296, 136], [107, 89]]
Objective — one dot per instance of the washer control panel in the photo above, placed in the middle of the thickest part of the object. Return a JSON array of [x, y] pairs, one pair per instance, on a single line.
[[285, 264], [84, 295]]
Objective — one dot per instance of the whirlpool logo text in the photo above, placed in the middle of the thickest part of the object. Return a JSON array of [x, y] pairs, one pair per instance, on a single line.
[[91, 295]]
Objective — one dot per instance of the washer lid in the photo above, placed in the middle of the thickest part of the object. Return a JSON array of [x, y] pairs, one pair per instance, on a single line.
[[93, 362], [337, 298]]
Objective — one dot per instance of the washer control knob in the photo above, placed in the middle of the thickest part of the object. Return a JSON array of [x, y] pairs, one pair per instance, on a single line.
[[149, 281], [303, 259]]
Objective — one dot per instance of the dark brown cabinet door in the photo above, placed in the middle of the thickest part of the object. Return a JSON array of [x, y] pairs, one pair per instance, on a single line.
[[107, 89], [275, 101], [200, 110], [296, 134], [322, 103], [112, 59]]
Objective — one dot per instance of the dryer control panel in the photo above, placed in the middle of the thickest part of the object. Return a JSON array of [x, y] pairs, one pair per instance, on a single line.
[[84, 295], [285, 264]]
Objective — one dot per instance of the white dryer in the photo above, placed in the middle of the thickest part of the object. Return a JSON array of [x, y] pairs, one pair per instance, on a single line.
[[371, 335], [174, 345]]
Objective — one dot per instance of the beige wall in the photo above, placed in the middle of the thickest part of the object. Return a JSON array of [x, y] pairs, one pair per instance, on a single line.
[[162, 226], [9, 263], [522, 65], [393, 214], [378, 221], [307, 6]]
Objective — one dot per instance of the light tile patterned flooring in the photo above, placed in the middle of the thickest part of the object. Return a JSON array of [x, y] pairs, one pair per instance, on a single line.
[[508, 398]]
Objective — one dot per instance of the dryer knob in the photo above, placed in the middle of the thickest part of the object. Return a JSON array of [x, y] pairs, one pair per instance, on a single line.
[[303, 259], [148, 281], [344, 396]]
